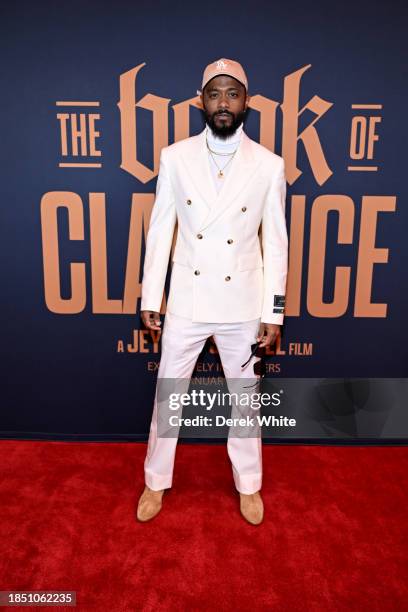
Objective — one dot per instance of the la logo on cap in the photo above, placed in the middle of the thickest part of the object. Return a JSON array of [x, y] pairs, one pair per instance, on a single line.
[[221, 65]]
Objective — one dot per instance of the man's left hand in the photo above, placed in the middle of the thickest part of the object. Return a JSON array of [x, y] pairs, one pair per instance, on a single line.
[[268, 332]]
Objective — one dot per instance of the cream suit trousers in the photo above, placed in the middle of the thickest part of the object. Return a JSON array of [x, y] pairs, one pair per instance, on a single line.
[[182, 341]]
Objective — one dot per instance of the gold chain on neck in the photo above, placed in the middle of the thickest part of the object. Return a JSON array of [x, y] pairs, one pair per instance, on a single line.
[[220, 170]]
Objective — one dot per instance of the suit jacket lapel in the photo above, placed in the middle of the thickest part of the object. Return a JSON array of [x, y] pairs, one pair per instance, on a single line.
[[241, 172]]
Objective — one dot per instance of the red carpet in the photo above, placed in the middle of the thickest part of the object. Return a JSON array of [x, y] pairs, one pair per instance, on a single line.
[[334, 536]]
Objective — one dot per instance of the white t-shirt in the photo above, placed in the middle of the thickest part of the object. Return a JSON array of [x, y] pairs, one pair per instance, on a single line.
[[221, 145]]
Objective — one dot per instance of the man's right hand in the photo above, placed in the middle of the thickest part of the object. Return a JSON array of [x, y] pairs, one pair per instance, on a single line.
[[151, 319]]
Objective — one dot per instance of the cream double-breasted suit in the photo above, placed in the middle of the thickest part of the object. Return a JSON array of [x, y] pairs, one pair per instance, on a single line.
[[225, 278], [219, 273]]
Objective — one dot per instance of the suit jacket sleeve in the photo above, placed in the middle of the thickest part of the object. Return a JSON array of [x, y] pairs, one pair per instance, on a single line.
[[275, 250], [159, 240]]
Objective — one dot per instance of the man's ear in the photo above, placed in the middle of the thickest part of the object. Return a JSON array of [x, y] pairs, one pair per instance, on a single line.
[[200, 100]]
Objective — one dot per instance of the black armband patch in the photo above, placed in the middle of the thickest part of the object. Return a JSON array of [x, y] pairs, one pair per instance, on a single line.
[[279, 300]]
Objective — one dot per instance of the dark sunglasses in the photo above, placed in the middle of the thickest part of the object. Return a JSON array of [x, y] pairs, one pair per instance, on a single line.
[[259, 366]]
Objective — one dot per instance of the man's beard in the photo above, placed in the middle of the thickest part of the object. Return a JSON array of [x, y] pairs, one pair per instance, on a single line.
[[224, 130]]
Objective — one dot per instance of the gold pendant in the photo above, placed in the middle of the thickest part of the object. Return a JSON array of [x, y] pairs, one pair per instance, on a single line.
[[220, 174]]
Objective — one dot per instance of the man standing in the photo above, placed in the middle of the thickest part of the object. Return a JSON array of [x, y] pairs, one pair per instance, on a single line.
[[221, 187]]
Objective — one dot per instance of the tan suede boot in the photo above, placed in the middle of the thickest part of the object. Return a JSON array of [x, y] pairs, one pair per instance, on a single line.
[[252, 508], [150, 504]]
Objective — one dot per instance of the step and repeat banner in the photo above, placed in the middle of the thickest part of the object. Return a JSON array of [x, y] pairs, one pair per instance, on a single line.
[[91, 92]]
